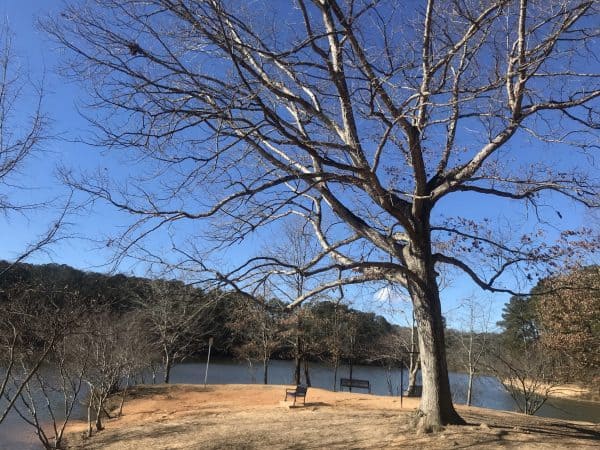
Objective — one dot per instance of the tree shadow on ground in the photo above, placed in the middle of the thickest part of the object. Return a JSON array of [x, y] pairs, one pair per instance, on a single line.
[[306, 405], [523, 424]]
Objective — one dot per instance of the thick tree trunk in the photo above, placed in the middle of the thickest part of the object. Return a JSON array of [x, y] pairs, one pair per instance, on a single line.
[[436, 402], [436, 408]]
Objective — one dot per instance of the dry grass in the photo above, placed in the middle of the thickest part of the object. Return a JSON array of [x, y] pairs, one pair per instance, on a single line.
[[254, 416]]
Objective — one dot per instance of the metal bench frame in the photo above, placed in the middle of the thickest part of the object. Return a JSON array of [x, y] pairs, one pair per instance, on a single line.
[[298, 391]]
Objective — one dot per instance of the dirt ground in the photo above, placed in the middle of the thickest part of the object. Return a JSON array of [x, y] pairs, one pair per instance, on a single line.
[[254, 416]]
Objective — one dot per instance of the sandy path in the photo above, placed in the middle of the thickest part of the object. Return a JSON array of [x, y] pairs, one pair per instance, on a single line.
[[253, 416]]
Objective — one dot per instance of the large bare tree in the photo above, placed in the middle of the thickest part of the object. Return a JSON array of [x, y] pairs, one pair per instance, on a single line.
[[378, 122]]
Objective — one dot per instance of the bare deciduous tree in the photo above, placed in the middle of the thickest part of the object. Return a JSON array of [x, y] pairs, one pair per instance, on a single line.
[[42, 378], [529, 374], [333, 327], [259, 327], [48, 398], [177, 319], [25, 341], [102, 346], [473, 341], [368, 119]]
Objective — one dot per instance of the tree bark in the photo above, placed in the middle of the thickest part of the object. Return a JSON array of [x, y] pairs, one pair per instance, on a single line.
[[153, 368], [351, 367], [296, 369], [297, 357], [89, 418], [436, 408], [470, 388], [335, 371], [414, 365], [123, 395], [266, 371], [306, 373], [168, 365], [413, 369], [99, 426]]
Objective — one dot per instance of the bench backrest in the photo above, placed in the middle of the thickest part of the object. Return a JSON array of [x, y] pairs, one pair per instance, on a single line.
[[301, 390], [351, 382]]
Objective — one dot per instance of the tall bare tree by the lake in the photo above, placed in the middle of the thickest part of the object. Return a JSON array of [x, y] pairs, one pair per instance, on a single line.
[[377, 123]]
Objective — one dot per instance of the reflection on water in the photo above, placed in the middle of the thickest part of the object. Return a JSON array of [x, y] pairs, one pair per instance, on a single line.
[[487, 393]]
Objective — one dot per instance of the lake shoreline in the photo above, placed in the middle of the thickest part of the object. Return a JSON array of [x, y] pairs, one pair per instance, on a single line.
[[570, 391], [254, 416], [566, 391], [574, 391]]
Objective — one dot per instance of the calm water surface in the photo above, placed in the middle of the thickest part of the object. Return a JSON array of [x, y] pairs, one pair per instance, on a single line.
[[487, 392]]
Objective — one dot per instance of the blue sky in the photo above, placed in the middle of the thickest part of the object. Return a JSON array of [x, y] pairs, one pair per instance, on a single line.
[[38, 58], [86, 250]]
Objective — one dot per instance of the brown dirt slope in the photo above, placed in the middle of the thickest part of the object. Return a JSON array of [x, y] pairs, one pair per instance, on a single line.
[[254, 416]]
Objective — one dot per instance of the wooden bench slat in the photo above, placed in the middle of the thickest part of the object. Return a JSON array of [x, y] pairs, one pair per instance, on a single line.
[[356, 383]]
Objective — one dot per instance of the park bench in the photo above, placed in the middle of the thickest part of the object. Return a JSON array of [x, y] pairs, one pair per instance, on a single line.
[[354, 383], [297, 392]]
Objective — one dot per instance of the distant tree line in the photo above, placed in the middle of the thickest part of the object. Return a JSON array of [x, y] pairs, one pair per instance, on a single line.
[[160, 306]]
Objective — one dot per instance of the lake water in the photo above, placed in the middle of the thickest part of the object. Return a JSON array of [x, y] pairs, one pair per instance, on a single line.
[[487, 392]]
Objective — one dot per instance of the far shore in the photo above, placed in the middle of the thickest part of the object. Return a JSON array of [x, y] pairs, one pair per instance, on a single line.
[[572, 391], [576, 392], [255, 416]]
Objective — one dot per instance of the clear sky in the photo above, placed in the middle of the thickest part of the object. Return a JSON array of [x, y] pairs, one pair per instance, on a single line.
[[86, 249], [38, 57]]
